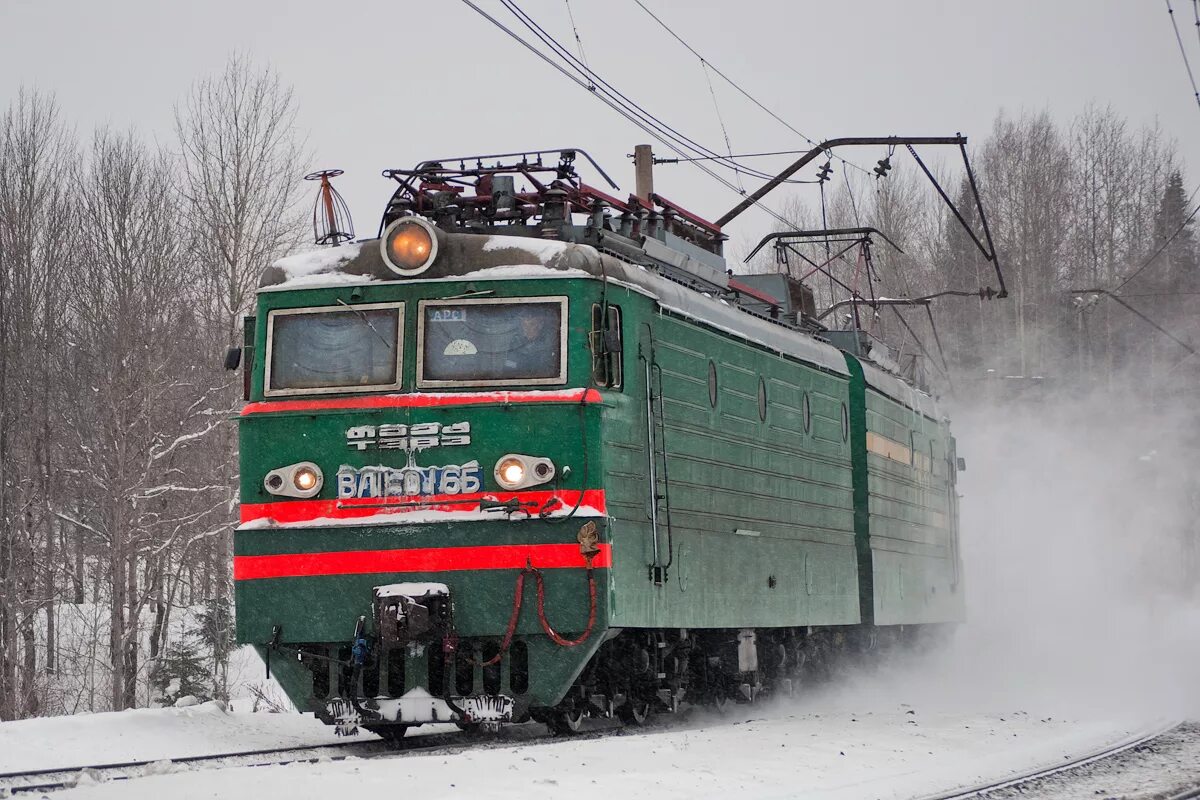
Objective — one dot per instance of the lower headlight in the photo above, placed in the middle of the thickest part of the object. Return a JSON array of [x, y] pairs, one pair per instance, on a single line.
[[516, 471], [510, 472], [302, 480], [305, 478]]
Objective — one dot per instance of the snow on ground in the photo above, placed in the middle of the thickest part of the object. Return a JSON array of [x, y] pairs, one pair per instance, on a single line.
[[150, 734], [892, 730], [1161, 768], [852, 738], [774, 751]]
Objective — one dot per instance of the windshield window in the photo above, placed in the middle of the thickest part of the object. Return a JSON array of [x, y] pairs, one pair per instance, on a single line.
[[334, 349], [493, 342]]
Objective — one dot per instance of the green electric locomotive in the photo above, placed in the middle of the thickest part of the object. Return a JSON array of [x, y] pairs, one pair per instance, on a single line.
[[536, 453]]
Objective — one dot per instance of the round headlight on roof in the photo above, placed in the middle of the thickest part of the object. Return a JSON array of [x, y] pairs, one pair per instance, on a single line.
[[409, 246]]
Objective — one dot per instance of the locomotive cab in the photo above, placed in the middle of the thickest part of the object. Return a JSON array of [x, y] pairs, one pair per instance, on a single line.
[[414, 454]]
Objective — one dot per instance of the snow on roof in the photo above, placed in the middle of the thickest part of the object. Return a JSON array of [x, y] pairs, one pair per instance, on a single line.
[[320, 280], [522, 271], [321, 259], [545, 249], [900, 390], [707, 310]]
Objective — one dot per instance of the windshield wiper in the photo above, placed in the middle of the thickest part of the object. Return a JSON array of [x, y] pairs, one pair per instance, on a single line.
[[471, 293], [366, 321]]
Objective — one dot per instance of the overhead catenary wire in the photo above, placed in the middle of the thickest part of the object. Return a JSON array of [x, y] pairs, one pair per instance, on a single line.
[[1196, 14], [631, 112], [1186, 220], [749, 155], [850, 191], [1183, 51], [828, 247], [624, 112], [740, 167], [1191, 198], [735, 85], [598, 85], [673, 139], [578, 39], [1166, 243], [720, 119]]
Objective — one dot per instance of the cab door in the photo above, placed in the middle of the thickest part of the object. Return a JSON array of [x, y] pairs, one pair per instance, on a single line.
[[657, 486]]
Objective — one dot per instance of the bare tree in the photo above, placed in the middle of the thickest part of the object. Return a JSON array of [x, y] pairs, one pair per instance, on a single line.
[[242, 159], [1118, 181], [1027, 178], [35, 152], [140, 402]]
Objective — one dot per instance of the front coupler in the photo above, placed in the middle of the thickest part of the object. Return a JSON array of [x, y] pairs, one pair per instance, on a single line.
[[410, 620]]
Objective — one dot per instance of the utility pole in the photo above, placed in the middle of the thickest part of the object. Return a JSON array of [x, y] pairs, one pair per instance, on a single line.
[[643, 169]]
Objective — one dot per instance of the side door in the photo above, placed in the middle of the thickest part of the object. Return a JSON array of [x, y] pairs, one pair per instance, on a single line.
[[658, 495]]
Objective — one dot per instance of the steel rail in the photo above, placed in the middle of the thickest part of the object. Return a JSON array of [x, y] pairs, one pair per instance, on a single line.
[[45, 780], [1090, 757], [64, 777]]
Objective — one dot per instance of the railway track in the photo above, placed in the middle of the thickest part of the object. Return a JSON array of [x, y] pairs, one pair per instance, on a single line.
[[1028, 784], [48, 780], [45, 780], [1024, 782]]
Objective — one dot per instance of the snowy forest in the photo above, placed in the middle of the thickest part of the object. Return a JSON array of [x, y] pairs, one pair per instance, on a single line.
[[126, 267]]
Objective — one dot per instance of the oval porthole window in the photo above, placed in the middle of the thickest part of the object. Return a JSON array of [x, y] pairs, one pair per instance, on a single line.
[[712, 384], [845, 423], [762, 400], [806, 411]]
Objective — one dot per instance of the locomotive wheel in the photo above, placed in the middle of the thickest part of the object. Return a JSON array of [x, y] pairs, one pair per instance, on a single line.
[[392, 735], [634, 711], [470, 729], [566, 721]]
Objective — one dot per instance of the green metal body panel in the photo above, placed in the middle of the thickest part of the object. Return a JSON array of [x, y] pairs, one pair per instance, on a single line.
[[857, 418], [330, 604], [912, 523], [324, 609], [294, 677], [760, 511], [773, 521]]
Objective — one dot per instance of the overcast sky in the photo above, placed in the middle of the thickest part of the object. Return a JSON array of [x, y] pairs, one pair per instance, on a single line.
[[386, 84]]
